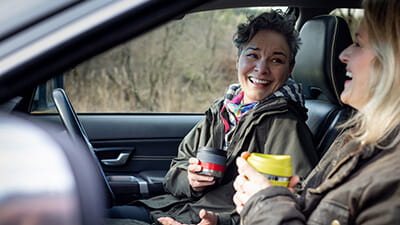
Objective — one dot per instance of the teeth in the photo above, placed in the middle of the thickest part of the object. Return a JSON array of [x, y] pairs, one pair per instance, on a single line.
[[255, 80], [349, 74]]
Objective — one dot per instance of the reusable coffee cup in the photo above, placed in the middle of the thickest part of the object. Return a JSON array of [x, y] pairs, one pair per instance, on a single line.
[[212, 160], [277, 168]]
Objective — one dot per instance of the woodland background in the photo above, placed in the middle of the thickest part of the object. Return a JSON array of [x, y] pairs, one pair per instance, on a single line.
[[181, 67]]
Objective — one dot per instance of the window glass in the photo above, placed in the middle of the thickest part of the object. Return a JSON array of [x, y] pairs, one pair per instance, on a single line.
[[180, 67], [352, 16]]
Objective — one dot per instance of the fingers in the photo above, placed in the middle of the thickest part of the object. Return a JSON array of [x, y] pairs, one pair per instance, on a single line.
[[238, 183], [245, 155], [200, 178], [294, 180], [168, 221], [247, 183], [239, 198], [198, 181], [194, 165], [208, 217], [243, 192], [202, 213], [245, 168], [239, 204], [193, 160]]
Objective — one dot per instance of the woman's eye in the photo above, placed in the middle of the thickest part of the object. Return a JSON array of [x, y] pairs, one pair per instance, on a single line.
[[277, 60], [252, 56]]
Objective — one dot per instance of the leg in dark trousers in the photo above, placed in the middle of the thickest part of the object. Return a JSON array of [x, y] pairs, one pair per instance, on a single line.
[[130, 212]]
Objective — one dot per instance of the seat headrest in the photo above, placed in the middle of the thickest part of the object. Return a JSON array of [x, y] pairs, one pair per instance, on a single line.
[[318, 67]]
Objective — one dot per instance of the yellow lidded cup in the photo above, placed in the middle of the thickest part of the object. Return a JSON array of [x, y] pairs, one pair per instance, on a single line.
[[277, 168]]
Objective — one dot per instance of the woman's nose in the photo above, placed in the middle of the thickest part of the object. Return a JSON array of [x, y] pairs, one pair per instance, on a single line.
[[344, 55], [261, 67]]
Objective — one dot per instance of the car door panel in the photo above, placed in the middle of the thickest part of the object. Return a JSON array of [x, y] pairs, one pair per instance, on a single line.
[[145, 143]]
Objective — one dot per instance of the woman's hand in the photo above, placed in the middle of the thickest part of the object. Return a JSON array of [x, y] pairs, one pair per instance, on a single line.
[[248, 182], [198, 181], [207, 218]]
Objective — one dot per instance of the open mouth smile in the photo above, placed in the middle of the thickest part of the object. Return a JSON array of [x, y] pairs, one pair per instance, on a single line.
[[349, 75], [259, 81]]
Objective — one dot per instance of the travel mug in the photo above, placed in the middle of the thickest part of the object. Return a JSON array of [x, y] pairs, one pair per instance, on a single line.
[[277, 168], [212, 160]]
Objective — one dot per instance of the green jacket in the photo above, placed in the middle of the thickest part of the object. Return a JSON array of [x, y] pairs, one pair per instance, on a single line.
[[348, 186], [275, 126]]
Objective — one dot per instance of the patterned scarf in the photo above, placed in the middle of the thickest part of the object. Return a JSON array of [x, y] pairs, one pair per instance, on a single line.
[[290, 90], [237, 108]]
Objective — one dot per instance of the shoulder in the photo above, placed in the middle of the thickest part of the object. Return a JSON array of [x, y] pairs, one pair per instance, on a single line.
[[283, 107], [378, 173], [385, 161], [215, 106]]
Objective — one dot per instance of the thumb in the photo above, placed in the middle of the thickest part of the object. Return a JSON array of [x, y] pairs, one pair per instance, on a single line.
[[202, 213], [245, 155], [245, 169], [207, 217]]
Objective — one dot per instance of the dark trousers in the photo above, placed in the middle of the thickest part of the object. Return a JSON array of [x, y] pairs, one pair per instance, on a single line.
[[130, 212]]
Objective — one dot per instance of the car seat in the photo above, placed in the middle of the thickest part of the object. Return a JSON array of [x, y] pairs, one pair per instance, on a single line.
[[322, 76]]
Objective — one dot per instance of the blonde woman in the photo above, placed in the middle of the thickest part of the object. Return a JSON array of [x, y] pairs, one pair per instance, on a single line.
[[358, 180]]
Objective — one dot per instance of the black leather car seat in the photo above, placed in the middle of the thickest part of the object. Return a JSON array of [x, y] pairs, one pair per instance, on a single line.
[[322, 75]]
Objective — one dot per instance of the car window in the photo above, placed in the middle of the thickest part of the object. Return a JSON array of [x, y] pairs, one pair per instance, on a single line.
[[352, 16], [181, 67]]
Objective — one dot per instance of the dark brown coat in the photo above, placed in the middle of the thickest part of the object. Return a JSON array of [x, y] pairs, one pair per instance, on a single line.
[[348, 186], [276, 126]]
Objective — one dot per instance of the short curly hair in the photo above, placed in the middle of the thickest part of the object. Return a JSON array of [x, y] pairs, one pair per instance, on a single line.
[[274, 20]]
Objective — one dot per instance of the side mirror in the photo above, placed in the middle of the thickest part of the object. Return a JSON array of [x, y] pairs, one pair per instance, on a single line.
[[46, 177]]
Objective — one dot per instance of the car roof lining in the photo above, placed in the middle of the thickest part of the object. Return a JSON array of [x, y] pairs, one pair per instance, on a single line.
[[19, 14], [223, 4]]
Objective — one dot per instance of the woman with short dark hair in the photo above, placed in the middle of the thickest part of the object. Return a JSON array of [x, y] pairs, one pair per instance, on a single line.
[[265, 113]]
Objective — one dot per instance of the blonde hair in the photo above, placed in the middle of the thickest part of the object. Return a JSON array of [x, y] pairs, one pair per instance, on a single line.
[[380, 117]]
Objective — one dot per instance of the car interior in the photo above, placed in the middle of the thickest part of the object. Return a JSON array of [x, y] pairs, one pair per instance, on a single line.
[[322, 74], [131, 152]]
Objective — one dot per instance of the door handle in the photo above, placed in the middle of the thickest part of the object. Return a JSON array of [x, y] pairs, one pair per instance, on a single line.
[[119, 161]]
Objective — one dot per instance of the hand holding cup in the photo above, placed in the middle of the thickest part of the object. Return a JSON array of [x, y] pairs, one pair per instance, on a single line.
[[198, 181], [259, 171], [248, 182], [208, 166]]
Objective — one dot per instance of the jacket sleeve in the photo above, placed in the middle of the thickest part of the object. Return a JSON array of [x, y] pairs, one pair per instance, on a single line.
[[176, 181], [231, 218], [273, 205]]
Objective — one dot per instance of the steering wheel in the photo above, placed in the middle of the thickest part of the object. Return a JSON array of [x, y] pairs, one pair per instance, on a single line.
[[75, 128]]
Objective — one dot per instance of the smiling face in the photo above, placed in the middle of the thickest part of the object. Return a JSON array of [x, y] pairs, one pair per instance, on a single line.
[[263, 65], [358, 58]]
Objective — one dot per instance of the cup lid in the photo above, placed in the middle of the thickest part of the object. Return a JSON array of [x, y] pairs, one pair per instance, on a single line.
[[213, 150], [278, 165]]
